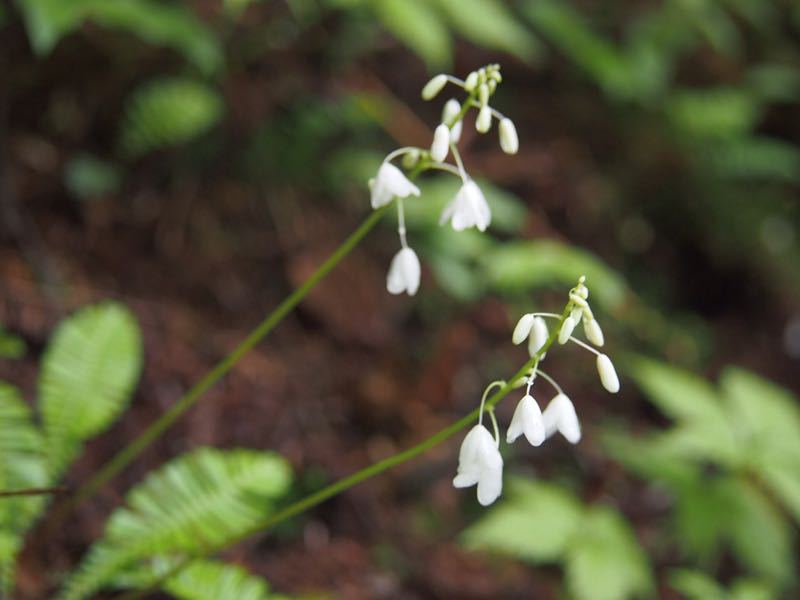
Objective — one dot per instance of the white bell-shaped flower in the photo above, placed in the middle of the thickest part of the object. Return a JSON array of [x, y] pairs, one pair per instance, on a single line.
[[608, 375], [560, 416], [479, 462], [538, 336], [468, 209], [388, 183], [527, 420], [404, 273]]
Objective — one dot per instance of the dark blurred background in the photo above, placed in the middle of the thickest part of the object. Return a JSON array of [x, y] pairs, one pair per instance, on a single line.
[[197, 160]]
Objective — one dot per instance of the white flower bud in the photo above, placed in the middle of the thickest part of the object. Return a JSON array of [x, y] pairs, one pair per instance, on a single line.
[[509, 141], [567, 327], [455, 132], [484, 121], [608, 376], [451, 109], [576, 314], [471, 81], [441, 143], [483, 94], [593, 332], [538, 336], [492, 86], [522, 329], [434, 86]]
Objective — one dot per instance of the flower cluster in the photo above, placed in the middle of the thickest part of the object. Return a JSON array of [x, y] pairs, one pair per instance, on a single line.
[[479, 460], [469, 207]]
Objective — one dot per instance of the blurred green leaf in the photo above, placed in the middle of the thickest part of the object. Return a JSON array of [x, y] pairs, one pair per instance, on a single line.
[[774, 82], [167, 112], [491, 23], [722, 112], [520, 266], [601, 60], [419, 26], [211, 580], [89, 370], [22, 466], [158, 23], [605, 561], [696, 585], [200, 499], [760, 535], [11, 346], [758, 158], [535, 522], [88, 177]]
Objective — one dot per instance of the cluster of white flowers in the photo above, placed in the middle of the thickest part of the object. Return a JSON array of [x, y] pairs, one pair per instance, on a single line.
[[479, 460], [469, 207]]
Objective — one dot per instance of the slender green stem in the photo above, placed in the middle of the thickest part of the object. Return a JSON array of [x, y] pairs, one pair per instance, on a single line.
[[124, 457], [368, 472]]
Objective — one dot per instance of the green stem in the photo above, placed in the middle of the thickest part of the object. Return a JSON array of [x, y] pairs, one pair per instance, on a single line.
[[368, 472], [124, 457]]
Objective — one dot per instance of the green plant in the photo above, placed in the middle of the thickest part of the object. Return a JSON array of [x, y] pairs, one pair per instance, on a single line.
[[543, 523], [88, 373], [730, 462]]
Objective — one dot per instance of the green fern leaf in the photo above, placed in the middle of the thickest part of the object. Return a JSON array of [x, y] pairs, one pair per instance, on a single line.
[[21, 466], [198, 501], [167, 112], [89, 370], [210, 580]]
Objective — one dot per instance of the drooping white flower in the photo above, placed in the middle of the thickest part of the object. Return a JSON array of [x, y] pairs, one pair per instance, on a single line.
[[468, 209], [509, 141], [404, 273], [484, 120], [441, 143], [527, 420], [560, 416], [538, 337], [388, 183], [479, 462], [434, 86], [522, 329], [567, 327], [608, 375], [593, 332]]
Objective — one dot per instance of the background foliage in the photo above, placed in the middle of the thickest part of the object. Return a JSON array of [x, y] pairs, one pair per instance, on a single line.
[[195, 159]]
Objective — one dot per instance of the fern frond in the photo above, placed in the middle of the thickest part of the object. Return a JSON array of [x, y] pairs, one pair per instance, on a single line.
[[89, 371], [22, 466], [199, 500], [167, 112]]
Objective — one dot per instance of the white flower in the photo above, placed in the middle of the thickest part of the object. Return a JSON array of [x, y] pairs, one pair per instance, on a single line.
[[484, 121], [471, 81], [467, 209], [527, 419], [560, 416], [509, 141], [434, 86], [593, 332], [522, 329], [567, 327], [441, 143], [479, 461], [404, 273], [538, 337], [388, 183], [608, 376]]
